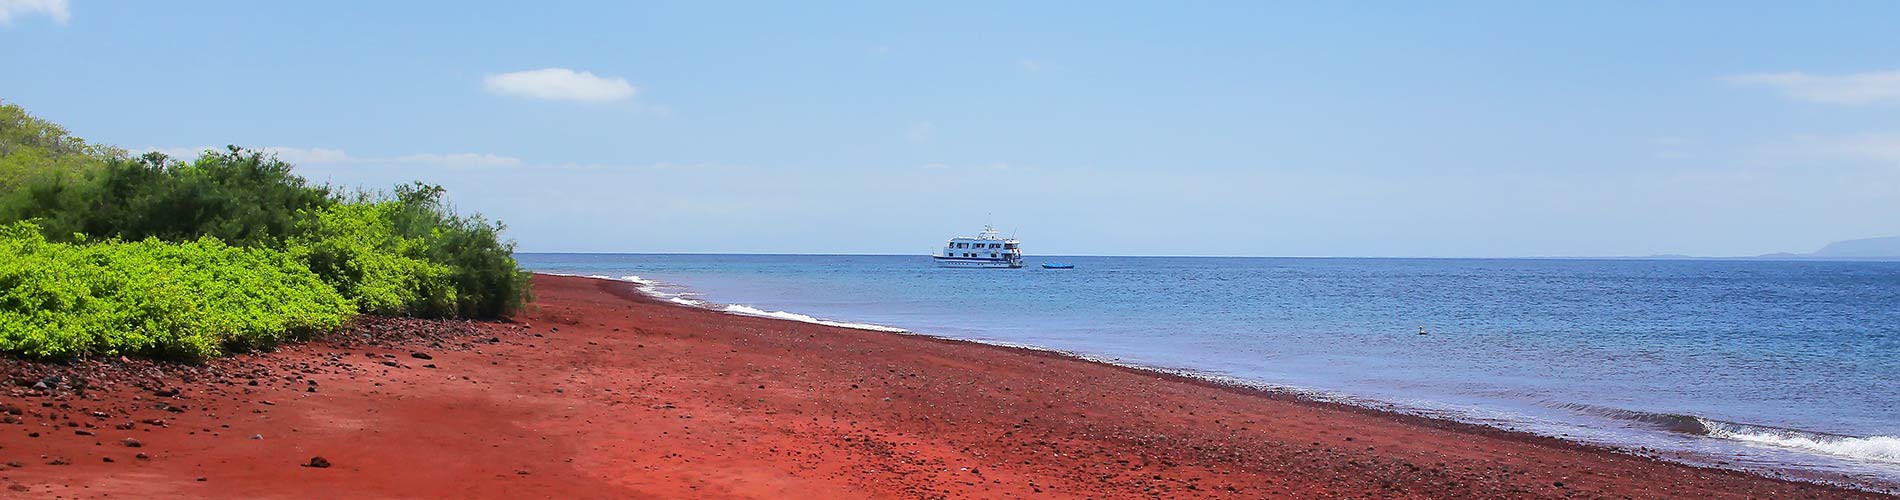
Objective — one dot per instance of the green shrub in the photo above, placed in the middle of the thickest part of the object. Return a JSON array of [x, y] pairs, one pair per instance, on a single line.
[[182, 300], [354, 247], [105, 253], [488, 284], [29, 146], [240, 196]]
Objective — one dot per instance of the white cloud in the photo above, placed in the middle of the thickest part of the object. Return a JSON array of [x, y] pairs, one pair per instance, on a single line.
[[55, 9], [1871, 146], [309, 155], [982, 166], [559, 84], [460, 159], [1877, 87], [327, 156]]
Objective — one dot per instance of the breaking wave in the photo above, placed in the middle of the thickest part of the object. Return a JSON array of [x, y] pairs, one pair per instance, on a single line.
[[1874, 448], [652, 289], [753, 311], [666, 292], [1871, 448]]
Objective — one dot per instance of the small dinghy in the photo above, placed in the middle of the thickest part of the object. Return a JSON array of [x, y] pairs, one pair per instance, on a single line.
[[1057, 265]]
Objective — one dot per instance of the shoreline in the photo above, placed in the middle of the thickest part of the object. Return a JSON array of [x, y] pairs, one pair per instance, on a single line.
[[653, 290], [604, 391]]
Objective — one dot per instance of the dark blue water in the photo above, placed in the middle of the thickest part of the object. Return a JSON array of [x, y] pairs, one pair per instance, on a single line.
[[1790, 366]]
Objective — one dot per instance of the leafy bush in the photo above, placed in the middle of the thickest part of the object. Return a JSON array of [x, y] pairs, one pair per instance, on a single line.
[[229, 250], [240, 196], [488, 284], [30, 145], [355, 247], [184, 300]]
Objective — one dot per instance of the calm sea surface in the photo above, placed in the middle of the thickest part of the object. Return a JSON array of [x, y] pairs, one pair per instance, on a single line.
[[1785, 366]]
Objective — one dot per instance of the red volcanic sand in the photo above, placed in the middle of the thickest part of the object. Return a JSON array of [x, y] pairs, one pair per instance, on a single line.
[[604, 393]]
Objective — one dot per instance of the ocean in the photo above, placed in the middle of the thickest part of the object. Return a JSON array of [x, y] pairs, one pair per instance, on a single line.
[[1789, 367]]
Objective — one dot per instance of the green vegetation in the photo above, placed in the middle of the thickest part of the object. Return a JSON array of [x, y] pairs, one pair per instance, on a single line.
[[30, 145], [188, 299], [104, 253], [238, 196]]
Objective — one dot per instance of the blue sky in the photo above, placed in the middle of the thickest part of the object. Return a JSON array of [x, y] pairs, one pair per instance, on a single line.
[[1480, 129]]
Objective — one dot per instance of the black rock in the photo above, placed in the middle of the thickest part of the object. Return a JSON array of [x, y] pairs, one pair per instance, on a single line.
[[318, 462], [421, 355], [132, 443]]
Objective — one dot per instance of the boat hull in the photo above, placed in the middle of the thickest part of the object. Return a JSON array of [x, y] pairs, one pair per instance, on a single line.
[[973, 263]]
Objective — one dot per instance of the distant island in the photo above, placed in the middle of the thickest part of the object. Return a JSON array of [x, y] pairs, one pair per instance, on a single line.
[[1868, 248], [1884, 248]]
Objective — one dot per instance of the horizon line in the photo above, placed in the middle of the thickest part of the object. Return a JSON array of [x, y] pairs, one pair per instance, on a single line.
[[1778, 258]]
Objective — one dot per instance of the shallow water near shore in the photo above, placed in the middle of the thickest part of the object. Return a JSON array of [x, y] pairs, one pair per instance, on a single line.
[[1762, 365]]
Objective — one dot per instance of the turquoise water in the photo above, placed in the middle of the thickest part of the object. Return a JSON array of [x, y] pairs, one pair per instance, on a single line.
[[1763, 365]]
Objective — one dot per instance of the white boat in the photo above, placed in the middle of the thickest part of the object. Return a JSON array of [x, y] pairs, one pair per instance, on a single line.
[[986, 249]]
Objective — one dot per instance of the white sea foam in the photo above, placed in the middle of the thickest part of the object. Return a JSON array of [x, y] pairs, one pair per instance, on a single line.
[[1875, 448], [658, 290], [792, 316], [653, 289]]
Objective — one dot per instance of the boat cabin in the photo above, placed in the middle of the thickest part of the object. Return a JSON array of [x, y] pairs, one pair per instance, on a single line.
[[986, 249]]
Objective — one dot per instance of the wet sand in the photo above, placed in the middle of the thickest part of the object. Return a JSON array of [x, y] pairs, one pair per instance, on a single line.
[[598, 392]]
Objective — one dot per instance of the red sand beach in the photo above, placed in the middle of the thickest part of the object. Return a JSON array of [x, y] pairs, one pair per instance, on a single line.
[[598, 392]]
